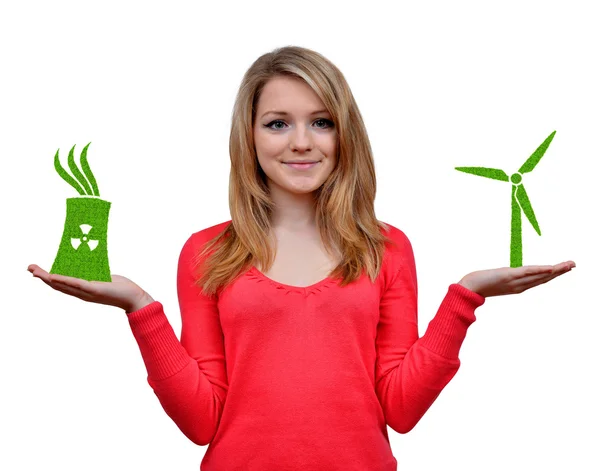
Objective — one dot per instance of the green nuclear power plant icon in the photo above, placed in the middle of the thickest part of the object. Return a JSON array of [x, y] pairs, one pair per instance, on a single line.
[[83, 250]]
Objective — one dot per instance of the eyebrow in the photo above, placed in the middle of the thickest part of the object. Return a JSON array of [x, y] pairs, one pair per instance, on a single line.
[[285, 113]]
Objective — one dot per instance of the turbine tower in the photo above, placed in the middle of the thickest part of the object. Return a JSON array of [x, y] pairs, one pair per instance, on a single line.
[[519, 199]]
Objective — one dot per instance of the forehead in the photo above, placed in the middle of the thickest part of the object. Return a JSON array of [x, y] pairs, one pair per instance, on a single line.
[[288, 94]]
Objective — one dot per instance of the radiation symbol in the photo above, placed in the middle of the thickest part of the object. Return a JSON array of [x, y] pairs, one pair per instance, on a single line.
[[85, 229]]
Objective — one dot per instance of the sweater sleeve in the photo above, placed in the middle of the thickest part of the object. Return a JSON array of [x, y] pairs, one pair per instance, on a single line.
[[411, 372], [188, 376]]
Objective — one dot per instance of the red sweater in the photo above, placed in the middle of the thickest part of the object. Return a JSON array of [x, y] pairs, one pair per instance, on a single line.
[[277, 377]]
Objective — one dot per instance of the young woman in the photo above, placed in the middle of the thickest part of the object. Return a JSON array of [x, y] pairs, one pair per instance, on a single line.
[[299, 340]]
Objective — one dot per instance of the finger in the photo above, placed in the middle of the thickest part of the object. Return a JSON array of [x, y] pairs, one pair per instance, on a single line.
[[63, 288], [38, 272], [558, 270], [69, 280], [43, 276], [83, 285], [516, 275], [564, 266], [532, 270], [525, 284], [519, 285], [562, 270]]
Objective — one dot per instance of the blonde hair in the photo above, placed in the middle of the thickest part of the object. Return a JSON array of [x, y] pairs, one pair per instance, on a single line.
[[345, 215]]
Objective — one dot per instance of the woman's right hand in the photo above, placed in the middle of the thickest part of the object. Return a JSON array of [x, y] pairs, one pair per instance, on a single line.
[[120, 292]]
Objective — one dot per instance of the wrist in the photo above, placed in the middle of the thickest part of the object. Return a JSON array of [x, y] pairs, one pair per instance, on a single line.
[[467, 285], [144, 301]]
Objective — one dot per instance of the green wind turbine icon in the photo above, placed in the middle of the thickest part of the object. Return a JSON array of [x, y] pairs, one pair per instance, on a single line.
[[519, 199]]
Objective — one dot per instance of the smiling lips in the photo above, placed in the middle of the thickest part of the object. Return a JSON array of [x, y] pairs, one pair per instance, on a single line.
[[301, 166]]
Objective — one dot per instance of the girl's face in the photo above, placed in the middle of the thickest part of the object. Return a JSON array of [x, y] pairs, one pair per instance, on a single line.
[[303, 131]]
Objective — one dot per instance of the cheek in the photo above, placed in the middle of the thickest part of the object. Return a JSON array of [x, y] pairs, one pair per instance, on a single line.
[[270, 145], [332, 147]]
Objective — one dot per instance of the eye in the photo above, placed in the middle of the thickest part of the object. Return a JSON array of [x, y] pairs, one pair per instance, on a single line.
[[328, 123], [270, 125]]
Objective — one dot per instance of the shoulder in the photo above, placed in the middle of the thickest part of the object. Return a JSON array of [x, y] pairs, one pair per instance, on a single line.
[[197, 240], [399, 252], [400, 243], [209, 233]]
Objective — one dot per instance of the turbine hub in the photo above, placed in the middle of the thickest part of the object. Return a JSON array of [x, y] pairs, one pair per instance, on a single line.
[[516, 178]]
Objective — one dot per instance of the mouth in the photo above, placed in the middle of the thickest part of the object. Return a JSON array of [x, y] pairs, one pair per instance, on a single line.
[[301, 166]]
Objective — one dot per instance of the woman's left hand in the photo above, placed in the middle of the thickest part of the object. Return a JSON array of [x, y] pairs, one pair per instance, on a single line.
[[501, 281]]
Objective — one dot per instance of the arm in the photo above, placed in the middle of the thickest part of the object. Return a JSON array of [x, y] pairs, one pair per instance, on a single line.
[[411, 372], [188, 377]]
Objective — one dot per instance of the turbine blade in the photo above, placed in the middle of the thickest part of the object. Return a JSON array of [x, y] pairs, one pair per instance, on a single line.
[[533, 160], [525, 204], [493, 173]]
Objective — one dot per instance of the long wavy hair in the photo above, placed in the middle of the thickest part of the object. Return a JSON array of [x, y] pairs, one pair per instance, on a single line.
[[345, 214]]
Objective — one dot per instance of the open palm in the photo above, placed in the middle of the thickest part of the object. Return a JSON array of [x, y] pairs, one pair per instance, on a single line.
[[120, 292], [512, 280]]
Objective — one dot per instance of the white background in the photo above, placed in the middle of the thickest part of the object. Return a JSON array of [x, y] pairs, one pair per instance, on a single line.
[[439, 84]]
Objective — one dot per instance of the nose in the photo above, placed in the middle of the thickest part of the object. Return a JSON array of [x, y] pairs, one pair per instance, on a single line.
[[300, 139]]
